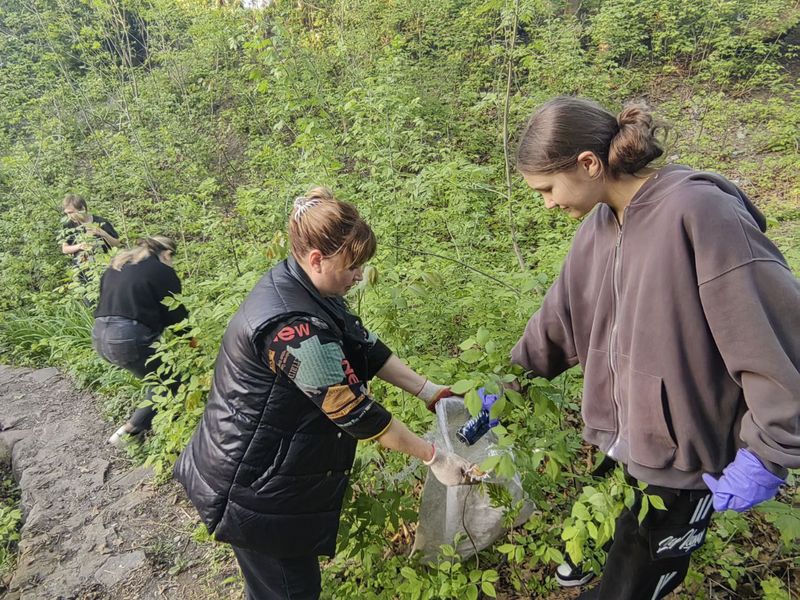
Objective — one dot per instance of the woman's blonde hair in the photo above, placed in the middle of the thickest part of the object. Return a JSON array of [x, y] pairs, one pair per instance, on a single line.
[[320, 221], [144, 248], [75, 201]]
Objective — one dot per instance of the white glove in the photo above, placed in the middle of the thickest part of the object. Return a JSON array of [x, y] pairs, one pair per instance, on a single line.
[[431, 393], [450, 468]]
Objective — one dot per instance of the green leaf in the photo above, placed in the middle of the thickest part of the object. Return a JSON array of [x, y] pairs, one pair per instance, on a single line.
[[784, 517], [488, 589], [491, 462], [569, 532], [467, 344], [644, 509], [490, 575], [596, 499], [471, 356], [506, 467], [482, 336], [579, 511], [473, 402], [554, 555], [575, 550], [461, 387], [552, 469], [657, 502], [630, 498], [492, 387], [498, 408], [592, 529]]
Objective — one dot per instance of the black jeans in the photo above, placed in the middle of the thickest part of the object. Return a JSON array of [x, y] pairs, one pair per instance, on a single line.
[[269, 578], [127, 343], [648, 561]]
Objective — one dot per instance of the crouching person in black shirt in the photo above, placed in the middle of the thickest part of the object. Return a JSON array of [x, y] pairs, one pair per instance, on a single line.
[[130, 315]]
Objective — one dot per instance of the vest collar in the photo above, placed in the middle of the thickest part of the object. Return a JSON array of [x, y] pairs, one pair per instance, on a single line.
[[334, 306], [296, 271]]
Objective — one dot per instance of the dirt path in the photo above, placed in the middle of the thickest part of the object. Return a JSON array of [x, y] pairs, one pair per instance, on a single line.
[[95, 527]]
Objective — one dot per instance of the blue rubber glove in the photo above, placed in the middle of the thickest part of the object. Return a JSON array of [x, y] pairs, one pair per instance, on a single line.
[[744, 483], [486, 404]]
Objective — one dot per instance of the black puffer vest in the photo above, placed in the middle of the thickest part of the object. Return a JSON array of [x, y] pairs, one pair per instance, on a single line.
[[266, 469]]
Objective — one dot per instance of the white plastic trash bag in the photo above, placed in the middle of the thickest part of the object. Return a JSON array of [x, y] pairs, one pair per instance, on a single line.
[[445, 511]]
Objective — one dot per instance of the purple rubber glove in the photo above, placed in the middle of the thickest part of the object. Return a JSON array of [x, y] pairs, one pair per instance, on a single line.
[[486, 404], [744, 483]]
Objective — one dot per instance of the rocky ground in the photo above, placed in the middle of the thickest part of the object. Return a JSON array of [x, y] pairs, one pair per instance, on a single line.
[[95, 526]]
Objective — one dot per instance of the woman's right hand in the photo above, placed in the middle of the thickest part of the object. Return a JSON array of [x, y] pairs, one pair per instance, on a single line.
[[451, 469]]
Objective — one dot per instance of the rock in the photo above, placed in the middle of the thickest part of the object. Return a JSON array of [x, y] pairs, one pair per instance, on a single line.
[[43, 375], [128, 501], [88, 515], [130, 479], [97, 471], [8, 422], [117, 568], [9, 374], [7, 441]]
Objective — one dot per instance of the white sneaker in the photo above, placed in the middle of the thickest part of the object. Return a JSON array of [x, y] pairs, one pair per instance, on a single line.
[[568, 575], [119, 438], [122, 437]]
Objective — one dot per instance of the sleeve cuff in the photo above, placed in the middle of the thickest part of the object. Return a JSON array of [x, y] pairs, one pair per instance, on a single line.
[[378, 355], [382, 431]]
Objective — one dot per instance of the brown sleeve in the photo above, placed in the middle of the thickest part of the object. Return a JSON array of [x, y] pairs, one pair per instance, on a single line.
[[547, 347], [753, 314]]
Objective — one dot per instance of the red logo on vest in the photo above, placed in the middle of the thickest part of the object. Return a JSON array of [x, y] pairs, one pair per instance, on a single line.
[[288, 333], [349, 372]]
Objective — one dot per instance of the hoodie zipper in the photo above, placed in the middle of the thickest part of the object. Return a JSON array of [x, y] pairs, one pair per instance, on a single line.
[[616, 267]]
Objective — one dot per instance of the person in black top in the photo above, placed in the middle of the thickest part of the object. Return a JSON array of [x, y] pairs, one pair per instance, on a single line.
[[85, 233], [130, 315]]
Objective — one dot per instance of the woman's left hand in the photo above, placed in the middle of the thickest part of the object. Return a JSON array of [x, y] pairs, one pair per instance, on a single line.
[[431, 393]]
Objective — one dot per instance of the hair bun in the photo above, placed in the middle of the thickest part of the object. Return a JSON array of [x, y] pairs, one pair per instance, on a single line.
[[635, 145], [635, 115]]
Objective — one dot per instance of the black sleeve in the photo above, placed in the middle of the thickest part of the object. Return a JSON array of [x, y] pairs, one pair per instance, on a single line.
[[307, 352], [106, 226], [171, 285], [109, 229], [377, 356]]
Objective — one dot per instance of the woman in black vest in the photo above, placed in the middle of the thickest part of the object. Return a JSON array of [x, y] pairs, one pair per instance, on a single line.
[[268, 466], [130, 316]]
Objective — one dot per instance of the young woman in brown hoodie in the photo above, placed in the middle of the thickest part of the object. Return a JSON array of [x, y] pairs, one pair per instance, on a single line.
[[683, 316]]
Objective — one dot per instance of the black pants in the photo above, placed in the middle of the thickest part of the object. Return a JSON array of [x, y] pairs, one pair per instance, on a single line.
[[127, 343], [648, 561], [268, 578]]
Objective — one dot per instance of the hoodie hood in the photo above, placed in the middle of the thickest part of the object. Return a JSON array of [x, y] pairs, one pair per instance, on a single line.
[[680, 174]]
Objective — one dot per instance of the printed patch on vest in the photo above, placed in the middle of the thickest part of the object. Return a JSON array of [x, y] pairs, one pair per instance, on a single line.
[[677, 541], [339, 401]]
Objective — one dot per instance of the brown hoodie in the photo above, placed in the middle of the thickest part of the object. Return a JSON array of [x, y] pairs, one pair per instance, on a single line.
[[686, 321]]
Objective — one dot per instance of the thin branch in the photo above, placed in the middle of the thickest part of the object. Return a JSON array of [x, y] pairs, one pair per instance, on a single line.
[[458, 262], [506, 154]]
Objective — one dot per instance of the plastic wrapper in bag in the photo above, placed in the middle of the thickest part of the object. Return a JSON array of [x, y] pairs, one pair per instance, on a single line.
[[445, 511]]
